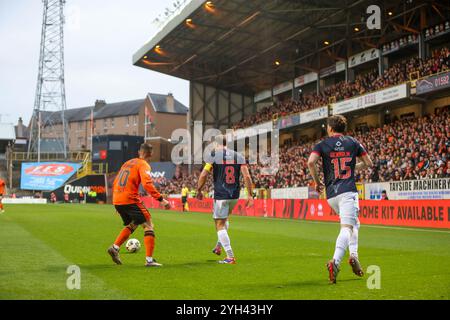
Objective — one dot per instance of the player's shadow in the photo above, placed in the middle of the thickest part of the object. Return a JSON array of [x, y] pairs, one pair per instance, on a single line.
[[296, 284], [190, 264], [111, 266], [59, 268], [321, 282], [139, 266]]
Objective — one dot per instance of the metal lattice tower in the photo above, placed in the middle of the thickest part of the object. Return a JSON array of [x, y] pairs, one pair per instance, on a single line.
[[50, 99]]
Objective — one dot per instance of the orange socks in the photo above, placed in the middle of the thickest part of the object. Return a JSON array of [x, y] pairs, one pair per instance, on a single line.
[[149, 241], [123, 236], [1, 206]]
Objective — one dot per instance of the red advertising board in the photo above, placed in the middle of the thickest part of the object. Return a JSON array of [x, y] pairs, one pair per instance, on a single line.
[[408, 213]]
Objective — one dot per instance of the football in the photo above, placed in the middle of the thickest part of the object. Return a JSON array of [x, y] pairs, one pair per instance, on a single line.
[[133, 245]]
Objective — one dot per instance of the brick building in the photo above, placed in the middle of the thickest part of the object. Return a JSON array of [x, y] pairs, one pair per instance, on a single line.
[[164, 114]]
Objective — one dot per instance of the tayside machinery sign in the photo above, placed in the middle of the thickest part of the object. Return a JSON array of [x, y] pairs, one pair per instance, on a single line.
[[438, 189]]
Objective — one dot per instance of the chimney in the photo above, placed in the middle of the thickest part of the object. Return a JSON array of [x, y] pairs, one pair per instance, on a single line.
[[99, 104], [170, 102], [20, 129]]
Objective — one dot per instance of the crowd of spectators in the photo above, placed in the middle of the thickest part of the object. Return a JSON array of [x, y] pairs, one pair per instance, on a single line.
[[409, 149], [406, 149], [398, 73], [417, 148]]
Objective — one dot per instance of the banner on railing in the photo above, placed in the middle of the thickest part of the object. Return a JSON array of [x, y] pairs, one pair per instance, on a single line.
[[313, 115], [290, 193], [363, 57], [433, 83], [305, 79], [46, 175], [407, 213], [437, 189], [288, 121], [371, 99]]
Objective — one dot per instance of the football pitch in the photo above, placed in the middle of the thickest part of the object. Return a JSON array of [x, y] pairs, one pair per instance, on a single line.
[[276, 259]]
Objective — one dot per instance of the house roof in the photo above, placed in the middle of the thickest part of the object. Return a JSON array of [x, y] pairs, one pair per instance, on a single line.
[[101, 111], [159, 102], [116, 109]]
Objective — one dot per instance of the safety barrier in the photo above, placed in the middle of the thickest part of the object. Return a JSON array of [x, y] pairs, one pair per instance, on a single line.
[[405, 213]]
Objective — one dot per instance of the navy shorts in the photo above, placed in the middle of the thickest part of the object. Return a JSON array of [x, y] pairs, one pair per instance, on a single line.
[[134, 213]]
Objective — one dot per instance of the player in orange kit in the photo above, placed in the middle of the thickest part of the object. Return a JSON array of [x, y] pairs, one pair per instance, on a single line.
[[130, 207], [2, 191]]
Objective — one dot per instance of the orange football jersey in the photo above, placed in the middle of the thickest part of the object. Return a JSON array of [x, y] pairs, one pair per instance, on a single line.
[[2, 186], [126, 185]]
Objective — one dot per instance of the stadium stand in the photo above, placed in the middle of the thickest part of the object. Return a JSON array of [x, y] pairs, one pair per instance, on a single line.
[[410, 149], [398, 73]]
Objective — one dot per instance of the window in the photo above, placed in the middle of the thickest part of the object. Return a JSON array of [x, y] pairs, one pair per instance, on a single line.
[[80, 142], [128, 121], [80, 125], [105, 123], [115, 145], [112, 122], [135, 120]]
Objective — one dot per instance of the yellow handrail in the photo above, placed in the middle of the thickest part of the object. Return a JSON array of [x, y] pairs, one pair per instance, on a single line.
[[92, 168], [416, 73], [74, 156]]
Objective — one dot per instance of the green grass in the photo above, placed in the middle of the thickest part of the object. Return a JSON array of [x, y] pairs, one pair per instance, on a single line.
[[277, 259]]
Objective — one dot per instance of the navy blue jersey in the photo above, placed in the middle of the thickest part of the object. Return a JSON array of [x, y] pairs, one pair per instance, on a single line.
[[226, 173], [339, 155]]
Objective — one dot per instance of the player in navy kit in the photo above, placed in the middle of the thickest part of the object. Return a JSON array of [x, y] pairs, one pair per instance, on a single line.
[[227, 166], [341, 155]]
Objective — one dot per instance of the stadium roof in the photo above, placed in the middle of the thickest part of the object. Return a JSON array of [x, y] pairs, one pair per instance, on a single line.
[[235, 44]]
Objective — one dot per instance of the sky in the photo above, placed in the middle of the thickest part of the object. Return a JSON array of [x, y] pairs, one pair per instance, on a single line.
[[100, 37]]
